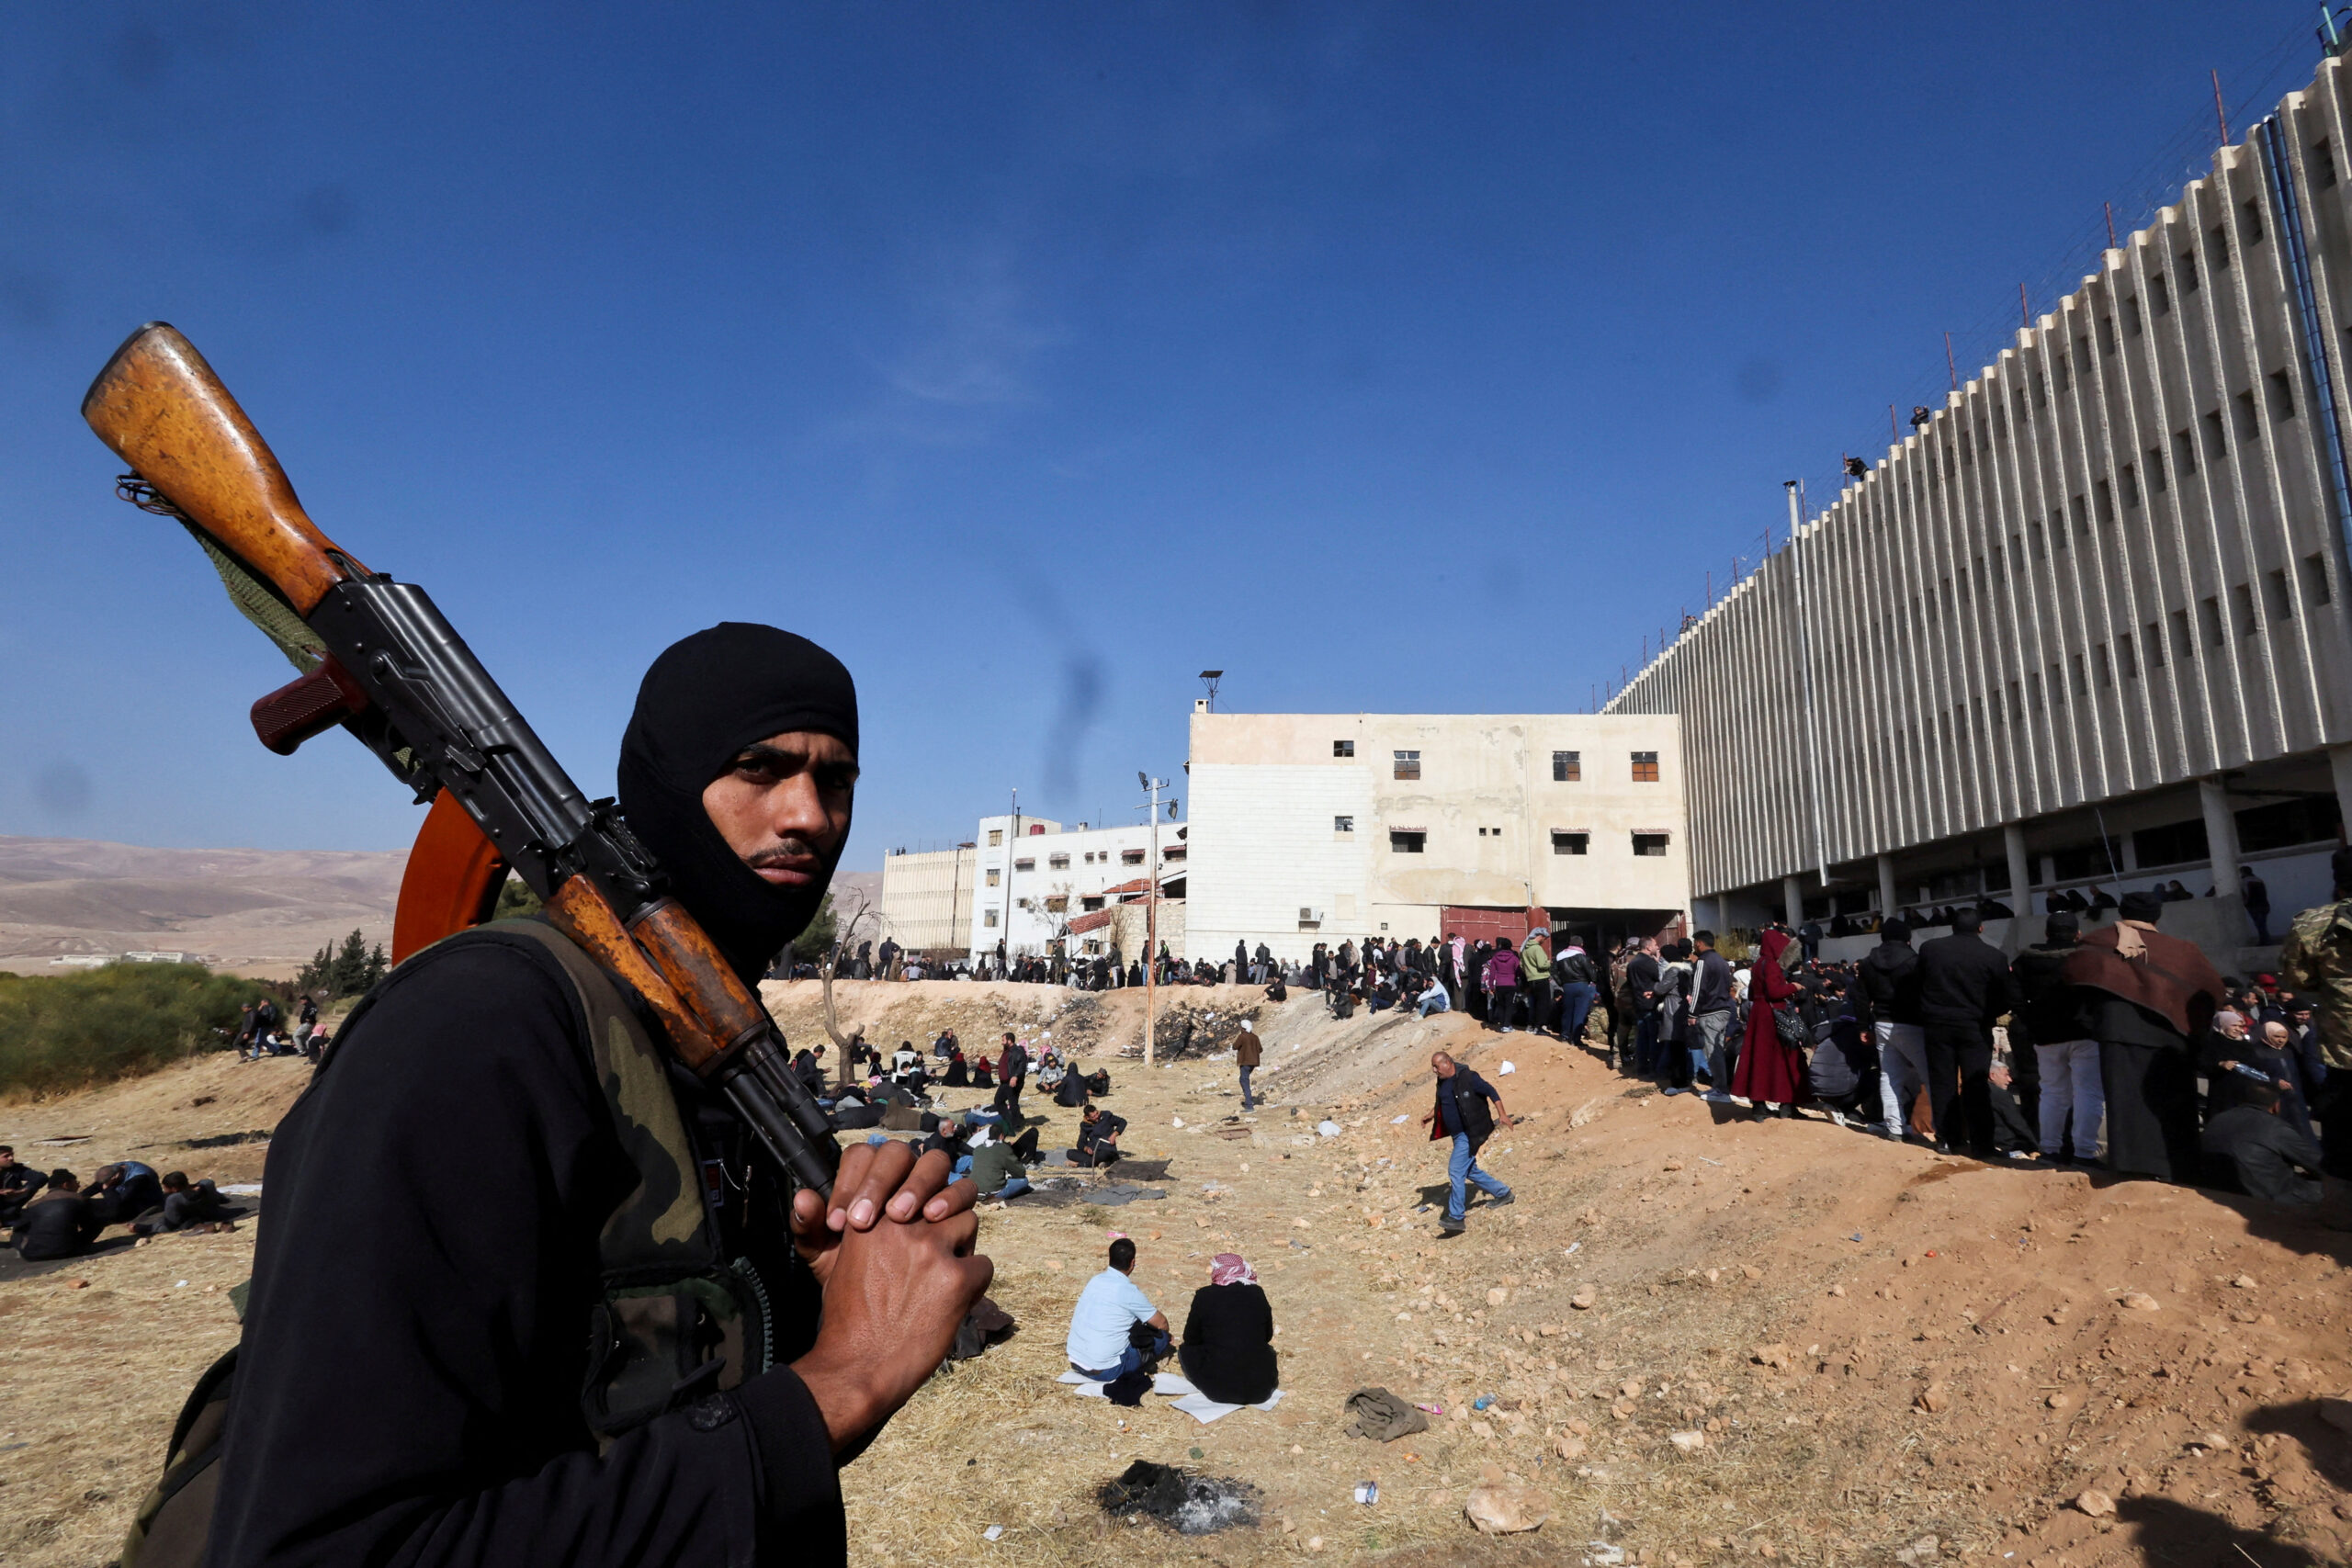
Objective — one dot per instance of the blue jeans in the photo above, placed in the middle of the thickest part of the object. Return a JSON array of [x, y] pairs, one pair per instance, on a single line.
[[1577, 999], [1461, 1166], [962, 1169], [1247, 1104], [1132, 1360], [1014, 1186], [1434, 999]]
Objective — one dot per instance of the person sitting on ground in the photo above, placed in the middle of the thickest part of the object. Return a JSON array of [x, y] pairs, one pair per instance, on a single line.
[[1433, 998], [983, 1072], [809, 1066], [198, 1210], [1228, 1351], [1098, 1138], [1101, 1326], [959, 1072], [1276, 991], [121, 1192], [906, 1066], [17, 1185], [2250, 1148], [61, 1223], [948, 1136], [1069, 1089], [1098, 1082], [2267, 1053], [2013, 1135], [995, 1167]]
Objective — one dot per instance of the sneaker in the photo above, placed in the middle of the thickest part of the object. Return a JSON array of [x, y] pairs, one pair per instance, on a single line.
[[1502, 1202], [1836, 1117], [1717, 1096], [1450, 1227]]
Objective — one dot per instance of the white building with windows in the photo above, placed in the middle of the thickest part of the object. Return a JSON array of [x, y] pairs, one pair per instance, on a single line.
[[1328, 827], [1032, 877]]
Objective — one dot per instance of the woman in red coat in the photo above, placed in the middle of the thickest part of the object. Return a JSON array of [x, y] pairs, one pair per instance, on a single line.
[[1770, 1074]]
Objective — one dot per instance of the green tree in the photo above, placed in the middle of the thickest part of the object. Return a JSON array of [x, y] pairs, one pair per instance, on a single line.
[[72, 1030], [515, 901], [814, 943], [376, 969]]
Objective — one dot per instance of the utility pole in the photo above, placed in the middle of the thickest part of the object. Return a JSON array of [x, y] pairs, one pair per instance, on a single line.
[[1151, 917]]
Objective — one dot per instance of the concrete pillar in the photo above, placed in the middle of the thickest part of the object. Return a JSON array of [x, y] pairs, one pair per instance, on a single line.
[[2220, 836], [2020, 869], [1887, 902], [2339, 759], [1793, 895]]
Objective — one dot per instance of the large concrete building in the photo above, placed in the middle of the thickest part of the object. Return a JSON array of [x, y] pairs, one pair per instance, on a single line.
[[1036, 876], [927, 898], [2088, 625], [1311, 827]]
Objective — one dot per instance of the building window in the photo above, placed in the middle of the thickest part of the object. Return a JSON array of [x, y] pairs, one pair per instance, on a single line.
[[1650, 844], [1173, 851], [989, 919], [1057, 862], [2209, 612], [996, 837], [1058, 904], [1408, 766], [1645, 767], [1403, 843], [1024, 865], [1343, 824], [994, 874], [2314, 573], [2282, 395], [1091, 903], [2242, 604], [1567, 767], [1343, 748], [1571, 844], [1130, 857], [2323, 164]]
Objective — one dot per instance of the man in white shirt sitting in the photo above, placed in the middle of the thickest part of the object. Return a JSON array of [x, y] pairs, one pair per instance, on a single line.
[[1100, 1343]]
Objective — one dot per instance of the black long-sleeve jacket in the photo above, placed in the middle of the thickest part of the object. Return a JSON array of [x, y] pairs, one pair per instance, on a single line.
[[409, 1386]]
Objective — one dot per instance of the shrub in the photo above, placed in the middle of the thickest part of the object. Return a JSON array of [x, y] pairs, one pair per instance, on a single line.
[[72, 1030]]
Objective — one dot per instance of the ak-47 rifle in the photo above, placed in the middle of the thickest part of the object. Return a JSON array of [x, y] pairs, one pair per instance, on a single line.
[[377, 659]]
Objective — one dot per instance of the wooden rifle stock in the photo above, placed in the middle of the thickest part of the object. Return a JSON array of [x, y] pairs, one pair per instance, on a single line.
[[165, 413]]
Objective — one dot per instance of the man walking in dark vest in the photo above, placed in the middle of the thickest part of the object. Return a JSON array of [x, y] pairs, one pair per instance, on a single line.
[[1462, 1116]]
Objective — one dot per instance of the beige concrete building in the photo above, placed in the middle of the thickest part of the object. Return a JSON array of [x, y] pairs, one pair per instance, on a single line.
[[927, 898], [1311, 827]]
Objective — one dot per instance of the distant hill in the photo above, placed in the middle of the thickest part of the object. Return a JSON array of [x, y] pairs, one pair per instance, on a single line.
[[259, 912], [249, 909]]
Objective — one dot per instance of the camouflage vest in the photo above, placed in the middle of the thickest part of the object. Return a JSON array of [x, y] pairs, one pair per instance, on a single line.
[[2316, 960], [675, 1322]]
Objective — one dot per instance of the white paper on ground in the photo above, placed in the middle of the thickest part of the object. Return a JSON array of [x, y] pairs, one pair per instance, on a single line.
[[1171, 1384], [1505, 1069], [243, 1189], [1203, 1409]]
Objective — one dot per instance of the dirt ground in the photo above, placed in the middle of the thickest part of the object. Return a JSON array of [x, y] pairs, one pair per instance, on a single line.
[[1703, 1338]]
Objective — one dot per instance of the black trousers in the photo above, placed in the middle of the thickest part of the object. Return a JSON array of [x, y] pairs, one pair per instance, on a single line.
[[1539, 1003], [1958, 1057], [2332, 1109], [1008, 1099], [2150, 1109], [1499, 1006]]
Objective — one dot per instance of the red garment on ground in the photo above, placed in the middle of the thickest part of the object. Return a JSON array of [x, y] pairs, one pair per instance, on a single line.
[[1769, 1072]]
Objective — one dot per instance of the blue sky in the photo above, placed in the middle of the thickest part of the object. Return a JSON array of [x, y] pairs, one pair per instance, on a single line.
[[1031, 356]]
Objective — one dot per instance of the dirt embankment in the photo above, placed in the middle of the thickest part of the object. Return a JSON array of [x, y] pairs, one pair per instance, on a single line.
[[1701, 1341]]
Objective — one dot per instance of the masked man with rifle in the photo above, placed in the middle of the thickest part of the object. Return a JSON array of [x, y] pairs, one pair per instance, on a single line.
[[594, 1343]]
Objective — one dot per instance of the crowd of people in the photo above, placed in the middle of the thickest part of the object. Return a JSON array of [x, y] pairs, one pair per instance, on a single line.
[[2121, 1048], [54, 1214]]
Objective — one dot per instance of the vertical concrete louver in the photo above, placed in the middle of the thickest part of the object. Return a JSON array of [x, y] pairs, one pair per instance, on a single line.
[[2114, 561]]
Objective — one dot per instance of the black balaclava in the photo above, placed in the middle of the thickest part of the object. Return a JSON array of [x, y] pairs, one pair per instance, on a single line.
[[706, 698]]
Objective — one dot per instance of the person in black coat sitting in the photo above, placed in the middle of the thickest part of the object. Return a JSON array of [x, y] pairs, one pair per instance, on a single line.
[[61, 1223], [1098, 1137], [1228, 1349]]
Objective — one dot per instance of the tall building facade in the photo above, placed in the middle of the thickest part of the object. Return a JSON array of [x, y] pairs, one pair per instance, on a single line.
[[2088, 625]]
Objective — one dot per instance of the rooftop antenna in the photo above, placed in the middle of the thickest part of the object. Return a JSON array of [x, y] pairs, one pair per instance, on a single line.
[[2025, 311], [2110, 225], [1209, 678], [2220, 114], [1950, 364], [1894, 436]]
